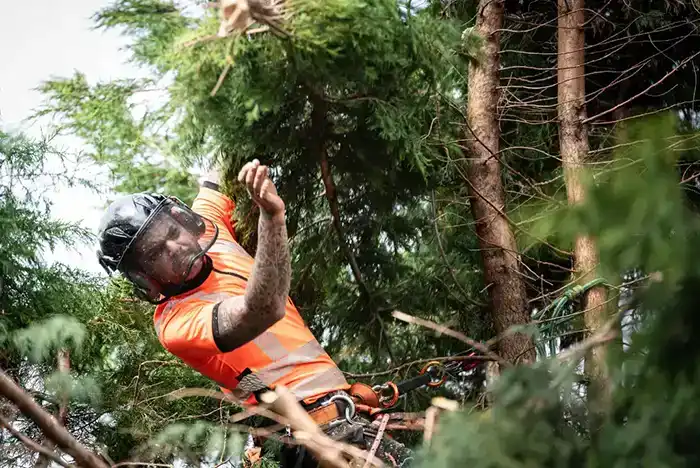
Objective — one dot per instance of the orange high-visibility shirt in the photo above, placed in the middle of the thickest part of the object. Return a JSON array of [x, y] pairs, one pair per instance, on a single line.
[[285, 354]]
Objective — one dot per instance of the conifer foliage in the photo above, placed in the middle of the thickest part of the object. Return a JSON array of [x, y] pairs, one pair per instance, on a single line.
[[360, 108]]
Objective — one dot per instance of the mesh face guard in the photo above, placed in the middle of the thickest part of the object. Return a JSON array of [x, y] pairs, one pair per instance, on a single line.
[[160, 258]]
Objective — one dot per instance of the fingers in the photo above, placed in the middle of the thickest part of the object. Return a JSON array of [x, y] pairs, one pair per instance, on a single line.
[[250, 175], [260, 178], [263, 188], [246, 169], [255, 178]]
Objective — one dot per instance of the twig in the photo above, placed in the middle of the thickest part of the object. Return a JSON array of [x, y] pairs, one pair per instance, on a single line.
[[221, 79], [444, 256], [419, 361], [48, 425], [29, 443], [604, 334], [142, 464], [200, 40], [449, 332], [437, 405], [63, 367], [430, 420], [624, 103]]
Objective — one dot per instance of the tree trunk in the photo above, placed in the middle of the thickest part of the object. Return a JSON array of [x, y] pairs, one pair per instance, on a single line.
[[573, 140], [497, 241]]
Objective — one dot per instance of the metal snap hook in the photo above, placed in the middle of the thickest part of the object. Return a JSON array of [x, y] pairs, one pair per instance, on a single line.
[[349, 410]]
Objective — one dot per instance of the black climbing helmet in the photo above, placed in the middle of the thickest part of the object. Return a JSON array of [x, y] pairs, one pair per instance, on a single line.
[[133, 233]]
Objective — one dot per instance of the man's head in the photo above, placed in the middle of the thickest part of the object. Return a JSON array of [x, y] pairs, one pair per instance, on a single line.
[[156, 242]]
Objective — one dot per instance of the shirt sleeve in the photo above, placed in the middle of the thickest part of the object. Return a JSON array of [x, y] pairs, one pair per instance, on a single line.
[[218, 208], [188, 331]]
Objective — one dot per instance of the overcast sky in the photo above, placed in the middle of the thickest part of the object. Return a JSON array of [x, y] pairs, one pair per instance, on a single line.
[[42, 39]]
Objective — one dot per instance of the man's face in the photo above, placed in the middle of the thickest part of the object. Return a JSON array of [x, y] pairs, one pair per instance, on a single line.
[[166, 250]]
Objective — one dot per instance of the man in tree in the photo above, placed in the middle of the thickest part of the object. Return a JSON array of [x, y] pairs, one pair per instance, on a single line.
[[224, 313]]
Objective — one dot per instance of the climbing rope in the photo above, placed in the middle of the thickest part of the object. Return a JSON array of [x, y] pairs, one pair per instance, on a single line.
[[555, 313]]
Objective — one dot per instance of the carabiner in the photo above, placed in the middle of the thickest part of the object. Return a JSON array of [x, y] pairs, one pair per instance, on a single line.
[[349, 410], [431, 368]]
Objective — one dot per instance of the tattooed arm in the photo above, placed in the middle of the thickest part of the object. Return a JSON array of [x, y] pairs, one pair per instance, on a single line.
[[240, 319]]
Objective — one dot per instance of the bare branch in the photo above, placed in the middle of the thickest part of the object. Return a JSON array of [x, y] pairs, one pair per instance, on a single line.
[[48, 425], [648, 88], [454, 334], [30, 444]]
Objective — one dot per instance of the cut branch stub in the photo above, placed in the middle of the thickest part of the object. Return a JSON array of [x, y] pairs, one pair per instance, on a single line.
[[239, 15]]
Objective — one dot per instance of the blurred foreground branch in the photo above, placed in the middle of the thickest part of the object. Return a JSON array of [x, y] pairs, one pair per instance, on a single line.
[[30, 444], [328, 451], [49, 426]]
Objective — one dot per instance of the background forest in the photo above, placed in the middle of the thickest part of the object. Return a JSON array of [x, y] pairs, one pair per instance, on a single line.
[[522, 172]]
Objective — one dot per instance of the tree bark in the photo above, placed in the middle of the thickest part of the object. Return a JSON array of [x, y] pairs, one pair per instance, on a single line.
[[497, 242], [573, 140]]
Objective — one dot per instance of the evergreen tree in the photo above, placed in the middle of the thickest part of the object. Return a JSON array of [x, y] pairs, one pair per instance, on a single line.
[[344, 111], [640, 217], [359, 115], [113, 396]]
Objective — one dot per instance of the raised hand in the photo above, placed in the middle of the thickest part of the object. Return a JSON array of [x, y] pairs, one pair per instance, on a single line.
[[261, 189]]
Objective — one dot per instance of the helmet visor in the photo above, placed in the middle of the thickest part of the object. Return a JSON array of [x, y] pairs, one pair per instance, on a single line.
[[168, 249]]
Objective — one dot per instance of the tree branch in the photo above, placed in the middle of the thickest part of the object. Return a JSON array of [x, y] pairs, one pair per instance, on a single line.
[[454, 334], [418, 361], [63, 366], [319, 125], [48, 425], [30, 444], [443, 255], [653, 85]]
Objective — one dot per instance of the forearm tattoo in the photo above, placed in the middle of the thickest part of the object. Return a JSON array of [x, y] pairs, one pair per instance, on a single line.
[[241, 319]]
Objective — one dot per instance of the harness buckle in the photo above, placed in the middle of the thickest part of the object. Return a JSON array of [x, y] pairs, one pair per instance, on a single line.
[[350, 409]]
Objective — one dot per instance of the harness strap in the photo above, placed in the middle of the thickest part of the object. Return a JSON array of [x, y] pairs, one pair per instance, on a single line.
[[377, 440]]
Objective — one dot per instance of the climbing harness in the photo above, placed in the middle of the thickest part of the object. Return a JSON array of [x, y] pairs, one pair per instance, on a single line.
[[373, 402]]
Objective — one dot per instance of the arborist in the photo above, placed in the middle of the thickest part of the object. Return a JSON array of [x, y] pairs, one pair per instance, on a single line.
[[228, 315]]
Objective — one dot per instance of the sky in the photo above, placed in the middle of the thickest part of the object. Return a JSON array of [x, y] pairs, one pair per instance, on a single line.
[[44, 39]]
